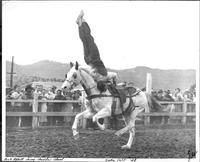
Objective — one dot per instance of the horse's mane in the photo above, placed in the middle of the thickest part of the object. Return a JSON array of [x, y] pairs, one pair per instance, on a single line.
[[88, 70]]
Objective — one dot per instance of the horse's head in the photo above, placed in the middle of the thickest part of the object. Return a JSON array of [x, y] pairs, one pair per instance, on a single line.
[[72, 78]]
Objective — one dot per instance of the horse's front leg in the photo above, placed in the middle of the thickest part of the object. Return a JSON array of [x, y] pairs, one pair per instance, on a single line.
[[105, 112], [84, 114], [76, 121]]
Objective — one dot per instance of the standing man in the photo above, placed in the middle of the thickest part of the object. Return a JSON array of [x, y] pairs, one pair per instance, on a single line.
[[58, 108]]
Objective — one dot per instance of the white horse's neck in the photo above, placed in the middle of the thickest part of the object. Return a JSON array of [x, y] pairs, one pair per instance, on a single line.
[[88, 82]]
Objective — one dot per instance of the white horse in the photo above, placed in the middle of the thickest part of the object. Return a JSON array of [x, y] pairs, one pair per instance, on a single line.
[[99, 104]]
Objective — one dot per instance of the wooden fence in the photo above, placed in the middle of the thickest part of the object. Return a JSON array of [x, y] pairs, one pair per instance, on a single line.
[[35, 110], [183, 110]]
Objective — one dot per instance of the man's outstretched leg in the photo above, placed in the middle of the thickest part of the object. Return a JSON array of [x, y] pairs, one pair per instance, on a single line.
[[91, 52]]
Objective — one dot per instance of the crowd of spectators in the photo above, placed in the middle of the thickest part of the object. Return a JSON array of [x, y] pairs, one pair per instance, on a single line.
[[45, 94], [177, 95], [57, 94], [51, 93]]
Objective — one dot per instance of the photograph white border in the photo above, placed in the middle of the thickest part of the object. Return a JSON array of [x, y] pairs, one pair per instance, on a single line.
[[96, 159]]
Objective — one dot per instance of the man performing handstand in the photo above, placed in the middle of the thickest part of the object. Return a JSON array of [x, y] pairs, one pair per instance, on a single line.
[[91, 53]]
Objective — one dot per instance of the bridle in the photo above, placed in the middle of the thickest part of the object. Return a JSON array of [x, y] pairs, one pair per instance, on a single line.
[[71, 83], [82, 82]]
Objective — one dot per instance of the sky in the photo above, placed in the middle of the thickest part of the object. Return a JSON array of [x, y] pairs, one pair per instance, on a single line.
[[162, 35]]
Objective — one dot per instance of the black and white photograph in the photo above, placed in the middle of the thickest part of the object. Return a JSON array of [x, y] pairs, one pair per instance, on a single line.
[[110, 81]]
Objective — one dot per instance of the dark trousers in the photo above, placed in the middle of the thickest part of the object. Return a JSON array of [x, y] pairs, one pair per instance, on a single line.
[[91, 52]]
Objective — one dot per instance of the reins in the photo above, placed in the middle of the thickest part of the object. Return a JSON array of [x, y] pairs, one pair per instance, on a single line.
[[88, 90], [98, 96], [90, 97]]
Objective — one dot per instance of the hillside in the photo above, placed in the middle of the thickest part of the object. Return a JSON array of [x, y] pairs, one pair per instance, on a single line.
[[51, 71]]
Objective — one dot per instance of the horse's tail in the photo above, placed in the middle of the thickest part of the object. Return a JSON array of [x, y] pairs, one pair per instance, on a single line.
[[153, 104]]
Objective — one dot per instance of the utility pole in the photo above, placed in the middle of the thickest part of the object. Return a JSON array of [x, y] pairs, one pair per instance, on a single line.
[[11, 73], [149, 83]]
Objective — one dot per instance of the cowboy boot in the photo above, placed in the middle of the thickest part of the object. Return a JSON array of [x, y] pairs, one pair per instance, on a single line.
[[80, 19]]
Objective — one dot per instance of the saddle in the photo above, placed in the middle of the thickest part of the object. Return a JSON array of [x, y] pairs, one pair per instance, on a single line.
[[123, 93]]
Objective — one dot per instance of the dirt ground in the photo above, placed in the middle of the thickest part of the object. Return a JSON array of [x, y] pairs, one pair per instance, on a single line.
[[58, 142]]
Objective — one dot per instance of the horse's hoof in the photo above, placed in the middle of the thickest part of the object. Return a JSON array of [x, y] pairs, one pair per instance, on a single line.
[[76, 137], [75, 134], [125, 147], [102, 127]]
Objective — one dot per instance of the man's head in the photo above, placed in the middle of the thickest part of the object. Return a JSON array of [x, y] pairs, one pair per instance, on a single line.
[[177, 90], [160, 93], [96, 75], [59, 92], [101, 86], [154, 93], [44, 91]]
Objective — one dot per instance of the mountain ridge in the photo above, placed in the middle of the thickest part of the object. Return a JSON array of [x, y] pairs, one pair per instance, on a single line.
[[162, 79]]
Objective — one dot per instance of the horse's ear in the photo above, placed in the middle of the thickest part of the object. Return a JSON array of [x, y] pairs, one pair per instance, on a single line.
[[71, 64], [76, 66]]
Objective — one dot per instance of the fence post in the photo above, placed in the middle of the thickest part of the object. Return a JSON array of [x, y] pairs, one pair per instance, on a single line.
[[84, 121], [146, 119], [184, 111], [106, 122], [149, 83], [35, 110], [148, 91], [163, 120]]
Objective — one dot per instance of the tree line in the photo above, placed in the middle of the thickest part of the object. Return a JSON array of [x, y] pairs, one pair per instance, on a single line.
[[24, 79]]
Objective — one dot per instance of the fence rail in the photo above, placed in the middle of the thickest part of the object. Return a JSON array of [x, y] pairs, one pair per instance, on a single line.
[[183, 112], [40, 114], [73, 114], [46, 101]]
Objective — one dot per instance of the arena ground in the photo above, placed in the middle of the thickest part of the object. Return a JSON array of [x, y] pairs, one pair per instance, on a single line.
[[59, 142]]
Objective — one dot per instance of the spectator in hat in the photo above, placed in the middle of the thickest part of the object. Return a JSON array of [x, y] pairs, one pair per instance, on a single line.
[[187, 96], [29, 92], [50, 94], [16, 93], [177, 95], [27, 107], [167, 96], [154, 93], [58, 107], [67, 93], [159, 96]]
